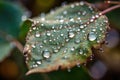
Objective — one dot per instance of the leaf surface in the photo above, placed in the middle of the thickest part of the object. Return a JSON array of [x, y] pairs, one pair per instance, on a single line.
[[64, 38]]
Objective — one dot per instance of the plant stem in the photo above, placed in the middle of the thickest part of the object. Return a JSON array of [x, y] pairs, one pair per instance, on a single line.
[[110, 9], [12, 40], [112, 2]]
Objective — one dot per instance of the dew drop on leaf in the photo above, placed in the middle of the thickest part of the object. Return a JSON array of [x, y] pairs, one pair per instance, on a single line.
[[46, 54], [92, 36], [71, 34]]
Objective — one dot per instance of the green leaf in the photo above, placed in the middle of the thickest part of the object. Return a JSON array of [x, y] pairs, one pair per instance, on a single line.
[[24, 29], [64, 38], [10, 18]]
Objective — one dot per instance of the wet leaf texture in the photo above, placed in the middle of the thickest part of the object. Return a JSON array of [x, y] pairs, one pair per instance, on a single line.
[[64, 37]]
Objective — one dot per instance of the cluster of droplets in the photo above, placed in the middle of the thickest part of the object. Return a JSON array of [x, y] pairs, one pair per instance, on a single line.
[[54, 35]]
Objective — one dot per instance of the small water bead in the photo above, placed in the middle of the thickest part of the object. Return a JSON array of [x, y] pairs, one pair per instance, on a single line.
[[56, 50], [71, 34], [81, 51], [72, 20], [72, 6], [42, 24], [94, 30], [81, 3], [37, 34], [73, 48], [78, 30], [43, 19], [33, 46], [97, 16], [41, 46], [48, 33], [79, 18], [34, 28], [101, 29], [46, 54], [61, 34], [38, 62], [44, 41], [92, 36], [83, 31], [77, 41], [65, 12], [81, 27], [65, 57], [61, 21], [34, 65], [91, 20], [77, 4]]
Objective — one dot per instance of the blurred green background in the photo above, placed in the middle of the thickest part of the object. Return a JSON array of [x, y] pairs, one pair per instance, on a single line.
[[105, 65]]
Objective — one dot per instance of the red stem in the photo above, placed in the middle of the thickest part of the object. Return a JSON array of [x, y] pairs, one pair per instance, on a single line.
[[110, 9]]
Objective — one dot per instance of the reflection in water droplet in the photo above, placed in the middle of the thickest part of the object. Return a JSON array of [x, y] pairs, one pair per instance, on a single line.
[[38, 62], [46, 54], [48, 33], [92, 36], [34, 65], [81, 51], [77, 41], [81, 26], [71, 34], [61, 34], [65, 12], [33, 46], [55, 50], [72, 49], [37, 34]]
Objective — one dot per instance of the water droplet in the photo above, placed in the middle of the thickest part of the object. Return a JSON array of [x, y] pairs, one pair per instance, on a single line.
[[96, 16], [34, 65], [65, 12], [33, 46], [81, 26], [61, 34], [81, 51], [46, 54], [91, 20], [77, 41], [84, 13], [56, 50], [38, 62], [40, 46], [61, 21], [72, 6], [44, 41], [42, 24], [65, 57], [92, 36], [37, 34], [72, 20], [34, 28], [71, 34], [94, 30], [72, 49], [48, 33], [81, 3]]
